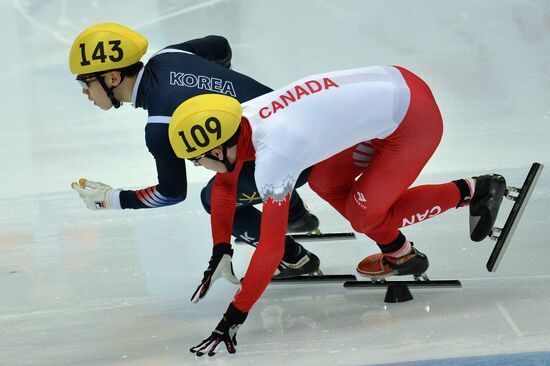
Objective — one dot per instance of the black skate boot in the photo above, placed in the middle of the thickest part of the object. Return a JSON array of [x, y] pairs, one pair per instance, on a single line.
[[488, 194], [380, 266], [306, 223], [307, 264]]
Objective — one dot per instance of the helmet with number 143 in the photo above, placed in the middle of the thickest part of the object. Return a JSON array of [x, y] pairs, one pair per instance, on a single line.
[[203, 123], [104, 47]]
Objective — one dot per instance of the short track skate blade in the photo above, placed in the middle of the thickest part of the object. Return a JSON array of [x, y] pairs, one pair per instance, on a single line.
[[315, 279], [384, 284], [513, 218], [324, 237], [315, 237]]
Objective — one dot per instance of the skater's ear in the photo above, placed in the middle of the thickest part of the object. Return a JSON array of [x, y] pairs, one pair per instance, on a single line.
[[113, 78], [217, 152]]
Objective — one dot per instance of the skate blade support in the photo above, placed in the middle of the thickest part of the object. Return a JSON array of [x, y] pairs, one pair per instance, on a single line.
[[520, 197], [318, 236], [315, 236], [398, 291], [315, 279]]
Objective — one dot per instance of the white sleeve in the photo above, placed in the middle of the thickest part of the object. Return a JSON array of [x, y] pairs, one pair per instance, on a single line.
[[275, 175]]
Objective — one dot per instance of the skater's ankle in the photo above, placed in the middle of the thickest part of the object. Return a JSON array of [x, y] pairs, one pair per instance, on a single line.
[[466, 187], [401, 252], [400, 246], [293, 250]]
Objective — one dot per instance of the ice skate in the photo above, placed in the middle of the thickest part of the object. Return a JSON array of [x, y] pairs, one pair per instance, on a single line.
[[380, 266], [520, 196], [307, 223], [488, 194], [307, 264]]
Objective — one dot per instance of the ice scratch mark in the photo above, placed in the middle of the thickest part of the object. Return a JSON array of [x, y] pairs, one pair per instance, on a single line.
[[57, 35], [178, 12], [509, 320]]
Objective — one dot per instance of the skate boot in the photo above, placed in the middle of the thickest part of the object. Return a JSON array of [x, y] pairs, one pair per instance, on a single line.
[[306, 223], [381, 266], [307, 264], [485, 203]]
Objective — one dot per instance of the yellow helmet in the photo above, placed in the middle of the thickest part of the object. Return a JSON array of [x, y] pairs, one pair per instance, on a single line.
[[106, 46], [202, 123]]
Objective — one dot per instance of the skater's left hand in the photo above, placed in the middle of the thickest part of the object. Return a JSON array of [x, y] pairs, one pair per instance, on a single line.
[[225, 332], [219, 266]]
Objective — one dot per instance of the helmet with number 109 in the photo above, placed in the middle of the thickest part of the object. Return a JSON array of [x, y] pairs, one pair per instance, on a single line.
[[203, 123], [104, 47]]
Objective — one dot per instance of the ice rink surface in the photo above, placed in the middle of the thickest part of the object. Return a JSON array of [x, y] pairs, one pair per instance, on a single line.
[[79, 287]]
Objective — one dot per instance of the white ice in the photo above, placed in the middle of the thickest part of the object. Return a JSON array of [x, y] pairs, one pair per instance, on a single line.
[[112, 288]]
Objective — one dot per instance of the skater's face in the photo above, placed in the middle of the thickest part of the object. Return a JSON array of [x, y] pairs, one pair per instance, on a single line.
[[213, 159], [95, 92]]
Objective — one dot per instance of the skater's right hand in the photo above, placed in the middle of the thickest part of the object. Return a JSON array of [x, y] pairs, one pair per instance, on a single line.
[[224, 334], [97, 195], [219, 266]]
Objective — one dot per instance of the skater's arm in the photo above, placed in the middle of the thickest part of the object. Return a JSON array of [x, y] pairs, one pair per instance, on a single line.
[[266, 257], [171, 174], [275, 178], [268, 253], [223, 209], [224, 192]]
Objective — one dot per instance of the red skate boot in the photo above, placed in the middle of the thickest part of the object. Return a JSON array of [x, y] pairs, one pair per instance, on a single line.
[[380, 266]]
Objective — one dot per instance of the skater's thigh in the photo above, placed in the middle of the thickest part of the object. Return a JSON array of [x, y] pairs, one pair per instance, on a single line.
[[384, 180], [336, 175], [399, 158]]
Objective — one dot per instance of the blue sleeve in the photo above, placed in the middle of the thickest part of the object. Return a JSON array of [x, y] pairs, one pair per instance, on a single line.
[[171, 173]]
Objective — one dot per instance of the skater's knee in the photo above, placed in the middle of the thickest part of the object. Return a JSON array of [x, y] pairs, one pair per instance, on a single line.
[[363, 218], [357, 225], [367, 223], [356, 219]]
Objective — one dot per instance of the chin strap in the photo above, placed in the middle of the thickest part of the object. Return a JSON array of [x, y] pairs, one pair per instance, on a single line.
[[230, 167], [109, 91]]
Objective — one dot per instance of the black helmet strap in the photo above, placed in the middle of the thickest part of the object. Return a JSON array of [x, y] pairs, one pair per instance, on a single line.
[[225, 161], [230, 167], [109, 91], [229, 143]]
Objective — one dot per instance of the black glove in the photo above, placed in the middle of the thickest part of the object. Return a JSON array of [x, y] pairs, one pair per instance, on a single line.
[[225, 332], [219, 265]]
